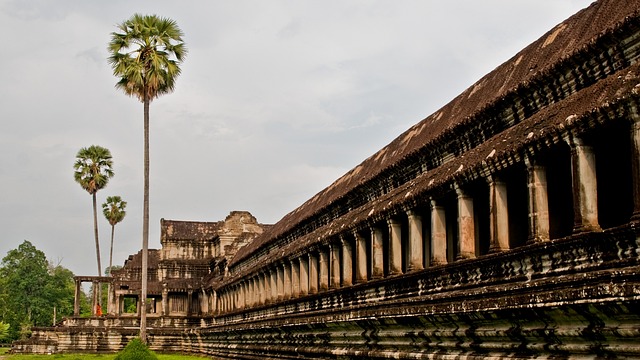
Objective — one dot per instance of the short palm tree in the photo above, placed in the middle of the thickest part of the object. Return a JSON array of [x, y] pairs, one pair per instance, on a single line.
[[146, 55], [93, 169], [113, 210]]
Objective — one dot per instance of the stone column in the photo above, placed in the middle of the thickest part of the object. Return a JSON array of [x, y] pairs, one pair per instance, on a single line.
[[95, 300], [76, 298], [111, 299], [415, 241], [287, 280], [273, 284], [347, 262], [280, 279], [635, 163], [585, 186], [304, 275], [361, 258], [538, 202], [251, 291], [295, 278], [189, 298], [324, 270], [395, 246], [215, 302], [313, 273], [499, 215], [466, 226], [262, 285], [246, 293], [377, 266], [165, 300], [335, 266], [438, 234]]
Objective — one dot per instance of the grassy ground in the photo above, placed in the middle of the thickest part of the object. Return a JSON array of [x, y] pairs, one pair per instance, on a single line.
[[89, 356]]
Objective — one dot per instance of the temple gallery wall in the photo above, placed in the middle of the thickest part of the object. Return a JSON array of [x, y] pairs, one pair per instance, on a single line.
[[504, 225]]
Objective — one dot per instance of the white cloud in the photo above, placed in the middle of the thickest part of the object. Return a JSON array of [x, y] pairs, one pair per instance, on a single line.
[[276, 100]]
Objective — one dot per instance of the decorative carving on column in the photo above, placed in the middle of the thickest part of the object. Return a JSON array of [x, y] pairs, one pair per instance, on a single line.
[[585, 186], [395, 246], [438, 234], [498, 215]]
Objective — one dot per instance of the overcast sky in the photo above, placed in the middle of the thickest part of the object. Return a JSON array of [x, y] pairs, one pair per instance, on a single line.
[[276, 100]]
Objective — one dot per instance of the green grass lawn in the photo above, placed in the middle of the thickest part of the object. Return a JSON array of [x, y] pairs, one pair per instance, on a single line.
[[89, 356]]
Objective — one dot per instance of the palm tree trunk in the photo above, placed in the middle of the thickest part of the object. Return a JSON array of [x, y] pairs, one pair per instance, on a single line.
[[95, 232], [113, 230], [145, 225]]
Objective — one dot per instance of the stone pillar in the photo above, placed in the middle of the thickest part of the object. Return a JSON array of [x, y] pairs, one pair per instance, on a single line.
[[334, 249], [313, 273], [287, 280], [295, 278], [280, 279], [377, 266], [242, 292], [111, 299], [438, 234], [347, 262], [251, 292], [324, 270], [264, 289], [304, 275], [635, 164], [499, 215], [273, 285], [215, 302], [76, 298], [95, 300], [165, 301], [466, 226], [361, 258], [395, 246], [538, 202], [415, 241], [189, 298], [585, 186]]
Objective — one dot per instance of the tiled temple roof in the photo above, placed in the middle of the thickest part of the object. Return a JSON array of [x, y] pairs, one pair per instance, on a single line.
[[532, 67]]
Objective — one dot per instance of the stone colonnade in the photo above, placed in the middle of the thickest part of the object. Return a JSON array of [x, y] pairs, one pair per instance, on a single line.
[[421, 236]]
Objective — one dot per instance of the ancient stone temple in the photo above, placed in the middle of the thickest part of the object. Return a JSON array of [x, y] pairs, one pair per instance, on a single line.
[[504, 225]]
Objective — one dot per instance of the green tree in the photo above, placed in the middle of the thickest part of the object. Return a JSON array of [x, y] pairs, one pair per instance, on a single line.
[[31, 288], [146, 55], [4, 331], [93, 169], [114, 212]]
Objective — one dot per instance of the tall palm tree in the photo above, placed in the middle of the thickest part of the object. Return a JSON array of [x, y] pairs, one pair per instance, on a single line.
[[113, 210], [146, 55], [93, 169]]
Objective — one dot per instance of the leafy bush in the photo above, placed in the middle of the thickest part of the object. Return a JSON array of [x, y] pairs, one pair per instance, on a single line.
[[136, 350]]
